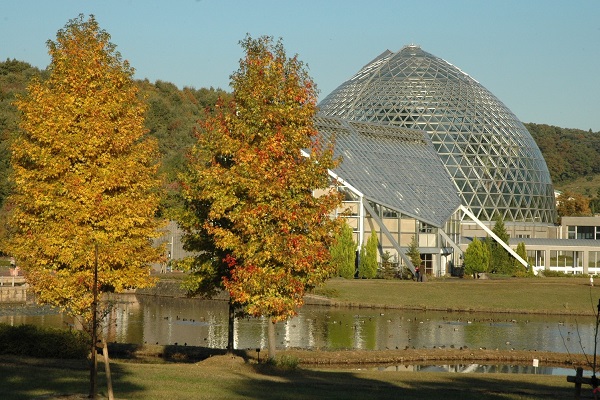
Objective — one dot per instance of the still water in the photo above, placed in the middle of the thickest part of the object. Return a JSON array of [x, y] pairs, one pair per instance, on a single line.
[[147, 319]]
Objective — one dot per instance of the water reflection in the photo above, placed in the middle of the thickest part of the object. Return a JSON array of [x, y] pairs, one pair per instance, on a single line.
[[484, 369], [147, 319]]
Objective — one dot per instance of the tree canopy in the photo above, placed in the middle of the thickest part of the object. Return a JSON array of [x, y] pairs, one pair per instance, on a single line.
[[477, 258], [249, 191], [570, 204], [85, 175]]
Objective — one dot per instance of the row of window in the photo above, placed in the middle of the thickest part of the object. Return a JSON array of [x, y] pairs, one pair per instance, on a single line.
[[563, 259], [584, 232]]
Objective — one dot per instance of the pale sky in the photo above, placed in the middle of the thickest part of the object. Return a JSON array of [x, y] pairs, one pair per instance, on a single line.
[[541, 58]]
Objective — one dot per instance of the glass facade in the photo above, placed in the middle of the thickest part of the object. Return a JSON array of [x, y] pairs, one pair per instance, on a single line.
[[395, 168], [492, 160]]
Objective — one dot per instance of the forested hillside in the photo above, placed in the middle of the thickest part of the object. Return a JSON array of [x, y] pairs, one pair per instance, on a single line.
[[172, 113], [569, 153], [572, 155]]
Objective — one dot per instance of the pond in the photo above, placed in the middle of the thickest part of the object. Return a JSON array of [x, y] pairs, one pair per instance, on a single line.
[[163, 320]]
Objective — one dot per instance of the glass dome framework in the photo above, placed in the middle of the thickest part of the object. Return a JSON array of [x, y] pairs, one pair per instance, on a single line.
[[493, 161]]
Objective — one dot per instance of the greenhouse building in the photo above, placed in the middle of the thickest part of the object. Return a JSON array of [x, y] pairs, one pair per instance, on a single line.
[[428, 152]]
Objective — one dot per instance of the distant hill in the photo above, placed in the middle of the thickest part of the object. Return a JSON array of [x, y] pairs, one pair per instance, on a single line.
[[172, 113], [572, 155]]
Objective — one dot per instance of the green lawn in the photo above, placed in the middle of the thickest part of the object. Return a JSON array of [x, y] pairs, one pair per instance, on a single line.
[[226, 378], [533, 295]]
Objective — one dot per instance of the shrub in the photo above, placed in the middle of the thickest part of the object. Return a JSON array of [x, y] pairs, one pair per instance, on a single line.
[[42, 342]]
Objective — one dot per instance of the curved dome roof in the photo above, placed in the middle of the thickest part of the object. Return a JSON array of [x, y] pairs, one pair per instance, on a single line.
[[492, 159]]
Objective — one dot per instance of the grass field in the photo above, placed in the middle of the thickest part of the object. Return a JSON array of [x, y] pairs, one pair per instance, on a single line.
[[518, 295], [229, 378]]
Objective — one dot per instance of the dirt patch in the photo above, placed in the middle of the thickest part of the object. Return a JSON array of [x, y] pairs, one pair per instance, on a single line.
[[228, 361], [317, 358]]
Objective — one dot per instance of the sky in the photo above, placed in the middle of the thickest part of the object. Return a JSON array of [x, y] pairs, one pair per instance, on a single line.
[[541, 58]]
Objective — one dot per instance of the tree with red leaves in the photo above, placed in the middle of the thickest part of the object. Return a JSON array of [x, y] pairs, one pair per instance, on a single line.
[[249, 191]]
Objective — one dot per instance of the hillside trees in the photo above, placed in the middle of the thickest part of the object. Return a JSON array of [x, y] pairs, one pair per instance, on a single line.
[[569, 153], [85, 191], [14, 76], [170, 118], [256, 188]]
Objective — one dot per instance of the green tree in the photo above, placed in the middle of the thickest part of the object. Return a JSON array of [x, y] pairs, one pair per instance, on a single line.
[[476, 258], [413, 253], [367, 267], [85, 177], [572, 205], [500, 260], [343, 252], [256, 188], [520, 269]]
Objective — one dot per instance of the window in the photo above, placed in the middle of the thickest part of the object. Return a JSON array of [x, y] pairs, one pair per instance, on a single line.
[[585, 232], [425, 228], [566, 261], [427, 263], [594, 262], [537, 258]]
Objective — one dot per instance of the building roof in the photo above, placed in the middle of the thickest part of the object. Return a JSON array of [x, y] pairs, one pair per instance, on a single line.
[[493, 161], [558, 244], [392, 166]]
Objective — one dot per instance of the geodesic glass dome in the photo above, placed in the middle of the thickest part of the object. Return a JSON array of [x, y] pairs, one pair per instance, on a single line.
[[492, 159]]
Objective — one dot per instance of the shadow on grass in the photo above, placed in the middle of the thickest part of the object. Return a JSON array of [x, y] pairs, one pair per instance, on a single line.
[[168, 353], [307, 384], [29, 378]]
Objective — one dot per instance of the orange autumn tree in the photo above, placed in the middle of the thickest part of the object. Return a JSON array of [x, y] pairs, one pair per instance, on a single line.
[[85, 176], [250, 190]]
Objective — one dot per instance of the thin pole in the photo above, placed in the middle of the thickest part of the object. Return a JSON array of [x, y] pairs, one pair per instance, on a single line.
[[94, 366]]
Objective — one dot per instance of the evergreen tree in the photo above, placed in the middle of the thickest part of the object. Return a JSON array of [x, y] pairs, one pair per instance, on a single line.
[[368, 261], [476, 258], [501, 260], [520, 269], [343, 252], [413, 253]]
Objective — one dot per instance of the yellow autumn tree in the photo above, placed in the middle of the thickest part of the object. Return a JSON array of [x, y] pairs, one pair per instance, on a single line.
[[86, 190]]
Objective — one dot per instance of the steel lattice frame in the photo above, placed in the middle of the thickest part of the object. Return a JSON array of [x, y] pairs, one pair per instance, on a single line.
[[493, 161]]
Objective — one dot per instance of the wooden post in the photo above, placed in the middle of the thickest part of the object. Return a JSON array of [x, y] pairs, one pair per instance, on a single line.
[[107, 369], [578, 379]]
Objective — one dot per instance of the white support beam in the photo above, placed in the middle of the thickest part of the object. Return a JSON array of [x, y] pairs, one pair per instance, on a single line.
[[495, 237], [447, 238], [387, 233]]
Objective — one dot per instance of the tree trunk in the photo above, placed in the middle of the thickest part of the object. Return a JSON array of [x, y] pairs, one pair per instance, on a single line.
[[94, 361], [272, 342], [231, 321]]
